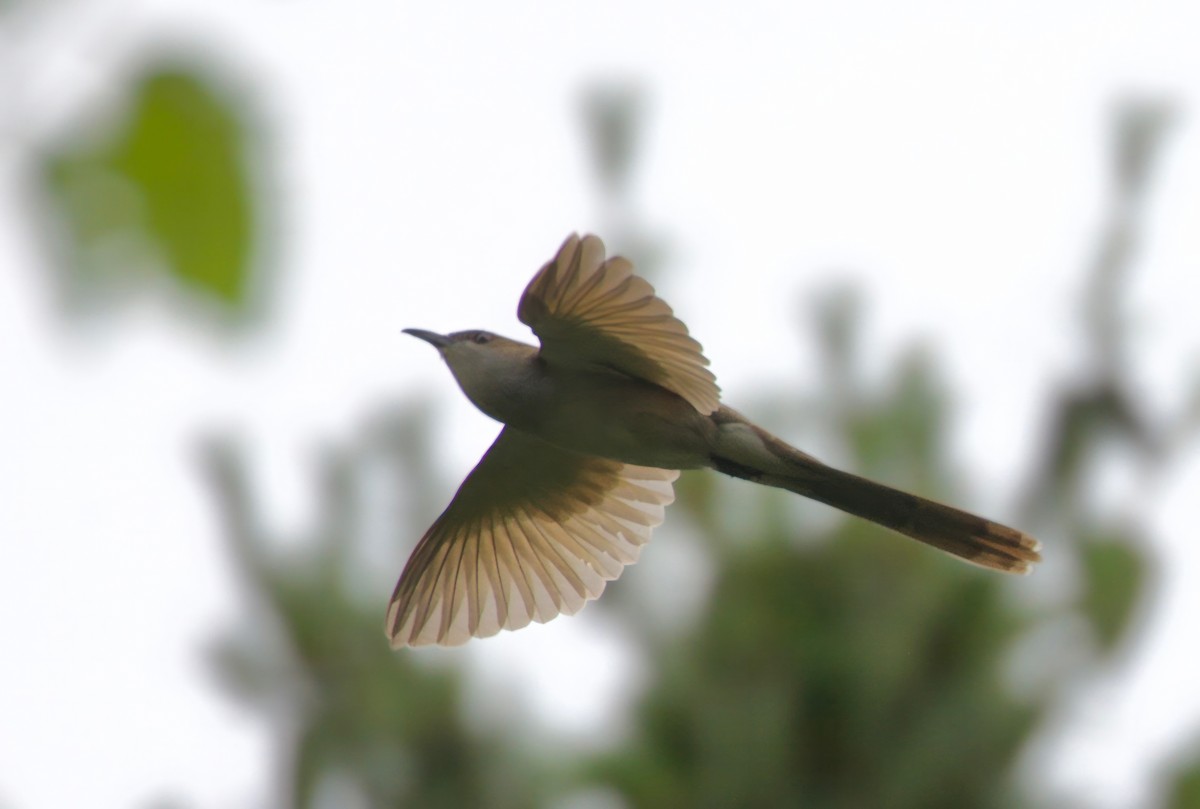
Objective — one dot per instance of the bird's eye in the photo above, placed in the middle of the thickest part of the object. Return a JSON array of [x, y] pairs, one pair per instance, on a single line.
[[482, 337]]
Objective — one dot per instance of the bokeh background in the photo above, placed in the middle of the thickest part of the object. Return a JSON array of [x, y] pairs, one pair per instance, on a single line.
[[950, 247]]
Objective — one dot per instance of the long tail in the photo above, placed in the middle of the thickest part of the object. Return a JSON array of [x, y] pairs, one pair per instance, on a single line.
[[746, 451]]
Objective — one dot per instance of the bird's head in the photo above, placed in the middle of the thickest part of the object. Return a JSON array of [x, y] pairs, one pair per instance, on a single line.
[[483, 363]]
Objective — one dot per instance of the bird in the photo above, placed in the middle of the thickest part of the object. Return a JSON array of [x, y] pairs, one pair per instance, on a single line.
[[598, 422]]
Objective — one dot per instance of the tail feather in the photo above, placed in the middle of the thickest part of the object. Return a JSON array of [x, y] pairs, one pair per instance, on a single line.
[[967, 536], [958, 532]]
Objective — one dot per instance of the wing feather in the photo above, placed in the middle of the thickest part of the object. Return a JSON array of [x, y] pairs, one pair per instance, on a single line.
[[533, 532], [592, 312]]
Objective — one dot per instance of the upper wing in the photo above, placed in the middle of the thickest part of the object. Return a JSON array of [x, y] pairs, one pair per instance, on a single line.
[[592, 312], [534, 531]]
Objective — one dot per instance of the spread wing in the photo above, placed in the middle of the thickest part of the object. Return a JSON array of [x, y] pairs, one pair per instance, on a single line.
[[533, 532], [589, 312]]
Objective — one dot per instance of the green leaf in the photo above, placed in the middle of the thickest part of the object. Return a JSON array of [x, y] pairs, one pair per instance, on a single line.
[[1185, 791], [163, 189], [1114, 574]]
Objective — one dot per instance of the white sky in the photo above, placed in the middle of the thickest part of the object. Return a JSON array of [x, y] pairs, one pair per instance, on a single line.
[[954, 163]]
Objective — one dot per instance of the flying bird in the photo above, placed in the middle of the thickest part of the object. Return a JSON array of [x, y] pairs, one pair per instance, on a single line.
[[597, 423]]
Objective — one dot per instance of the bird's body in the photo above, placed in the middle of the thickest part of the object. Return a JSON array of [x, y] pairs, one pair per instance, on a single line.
[[593, 411], [597, 421]]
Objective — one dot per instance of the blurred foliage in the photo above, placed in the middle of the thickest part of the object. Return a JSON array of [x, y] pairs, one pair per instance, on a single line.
[[366, 726], [1101, 406], [829, 667], [1185, 788], [1114, 576], [163, 189], [613, 119], [846, 671], [611, 116]]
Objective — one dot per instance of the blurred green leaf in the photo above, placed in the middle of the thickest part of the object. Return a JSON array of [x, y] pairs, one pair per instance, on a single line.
[[1139, 126], [1185, 791], [1114, 578], [165, 188], [612, 116]]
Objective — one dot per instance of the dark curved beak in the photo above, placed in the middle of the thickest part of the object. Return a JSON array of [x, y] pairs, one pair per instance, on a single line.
[[438, 341]]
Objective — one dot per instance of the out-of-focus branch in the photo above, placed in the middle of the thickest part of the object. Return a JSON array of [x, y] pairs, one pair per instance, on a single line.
[[1103, 406]]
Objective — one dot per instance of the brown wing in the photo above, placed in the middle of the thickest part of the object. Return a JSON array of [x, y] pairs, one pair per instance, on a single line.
[[589, 312], [533, 532]]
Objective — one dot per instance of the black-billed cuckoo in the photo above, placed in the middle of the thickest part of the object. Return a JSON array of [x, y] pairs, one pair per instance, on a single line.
[[596, 424]]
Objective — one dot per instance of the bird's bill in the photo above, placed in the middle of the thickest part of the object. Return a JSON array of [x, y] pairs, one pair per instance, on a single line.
[[433, 338]]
